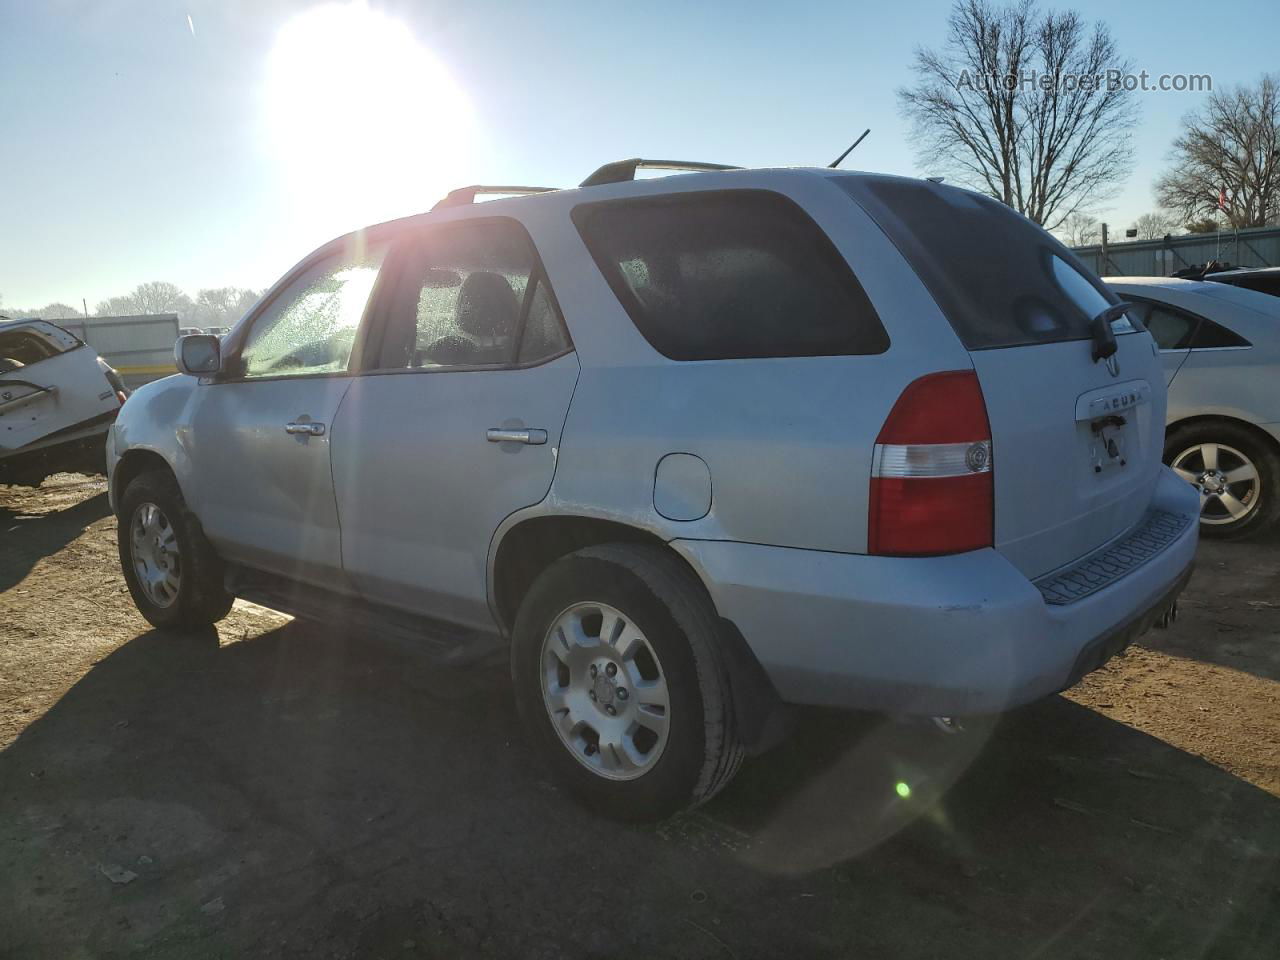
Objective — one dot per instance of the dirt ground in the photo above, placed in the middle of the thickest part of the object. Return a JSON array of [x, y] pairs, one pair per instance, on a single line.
[[279, 789]]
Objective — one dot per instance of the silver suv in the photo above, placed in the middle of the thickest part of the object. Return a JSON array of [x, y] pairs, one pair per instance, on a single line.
[[692, 447]]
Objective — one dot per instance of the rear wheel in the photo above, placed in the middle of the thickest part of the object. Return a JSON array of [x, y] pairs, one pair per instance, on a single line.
[[619, 678], [172, 571], [1236, 472]]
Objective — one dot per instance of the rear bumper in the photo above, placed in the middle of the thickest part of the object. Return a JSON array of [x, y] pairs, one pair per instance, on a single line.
[[951, 635]]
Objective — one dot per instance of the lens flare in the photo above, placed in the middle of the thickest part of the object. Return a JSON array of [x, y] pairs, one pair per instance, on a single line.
[[362, 121], [903, 790]]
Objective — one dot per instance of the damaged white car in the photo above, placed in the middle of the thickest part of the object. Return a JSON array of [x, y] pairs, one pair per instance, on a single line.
[[58, 398]]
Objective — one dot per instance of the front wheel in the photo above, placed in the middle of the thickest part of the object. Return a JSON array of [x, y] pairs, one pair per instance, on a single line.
[[1236, 472], [172, 571], [619, 677]]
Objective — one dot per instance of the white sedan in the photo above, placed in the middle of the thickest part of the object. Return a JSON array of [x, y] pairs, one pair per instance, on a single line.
[[1220, 347]]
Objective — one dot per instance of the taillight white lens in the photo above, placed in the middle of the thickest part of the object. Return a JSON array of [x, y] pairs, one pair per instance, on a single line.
[[931, 473]]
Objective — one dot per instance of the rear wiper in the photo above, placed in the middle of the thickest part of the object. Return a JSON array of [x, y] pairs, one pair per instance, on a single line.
[[1104, 338]]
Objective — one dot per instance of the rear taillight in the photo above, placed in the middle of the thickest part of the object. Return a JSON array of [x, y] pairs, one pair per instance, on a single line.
[[931, 481]]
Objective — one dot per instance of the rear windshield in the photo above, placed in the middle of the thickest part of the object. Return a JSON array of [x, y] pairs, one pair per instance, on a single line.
[[729, 274], [1001, 280]]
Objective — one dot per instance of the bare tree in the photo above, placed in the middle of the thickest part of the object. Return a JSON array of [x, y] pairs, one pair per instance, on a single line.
[[160, 296], [1229, 153], [1153, 226], [53, 311], [222, 306], [1079, 229], [1018, 104], [157, 296]]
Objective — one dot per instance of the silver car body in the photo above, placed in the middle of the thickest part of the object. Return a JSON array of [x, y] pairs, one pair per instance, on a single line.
[[755, 471]]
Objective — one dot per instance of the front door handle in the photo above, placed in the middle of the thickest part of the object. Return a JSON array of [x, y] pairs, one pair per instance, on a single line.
[[308, 429], [499, 435]]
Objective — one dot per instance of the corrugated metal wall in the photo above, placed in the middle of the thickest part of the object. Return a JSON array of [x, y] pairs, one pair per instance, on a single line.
[[141, 348], [1258, 247]]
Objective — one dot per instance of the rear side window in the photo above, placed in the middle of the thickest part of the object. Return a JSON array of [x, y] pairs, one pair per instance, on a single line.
[[1175, 329], [1172, 329], [1001, 280], [1210, 335], [729, 275]]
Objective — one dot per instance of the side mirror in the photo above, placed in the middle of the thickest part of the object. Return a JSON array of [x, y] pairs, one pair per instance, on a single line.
[[197, 355]]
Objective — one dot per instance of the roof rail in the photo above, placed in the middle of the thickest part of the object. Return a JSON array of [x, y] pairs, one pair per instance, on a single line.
[[620, 171], [465, 195]]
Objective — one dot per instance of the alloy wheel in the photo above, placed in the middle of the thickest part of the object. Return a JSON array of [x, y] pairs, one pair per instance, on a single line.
[[605, 691], [157, 561], [1228, 481]]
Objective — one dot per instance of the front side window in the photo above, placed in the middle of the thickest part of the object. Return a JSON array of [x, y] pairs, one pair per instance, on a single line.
[[730, 275], [310, 328], [478, 298]]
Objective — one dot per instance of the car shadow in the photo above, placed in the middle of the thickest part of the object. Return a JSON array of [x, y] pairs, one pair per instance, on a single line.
[[26, 538], [1231, 616], [303, 792]]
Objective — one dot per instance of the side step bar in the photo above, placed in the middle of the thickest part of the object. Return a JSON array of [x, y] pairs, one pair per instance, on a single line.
[[440, 642]]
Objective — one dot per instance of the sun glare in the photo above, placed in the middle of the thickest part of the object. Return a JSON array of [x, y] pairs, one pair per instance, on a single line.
[[363, 121]]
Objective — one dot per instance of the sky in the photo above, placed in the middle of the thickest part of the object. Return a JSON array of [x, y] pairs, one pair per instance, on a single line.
[[217, 142]]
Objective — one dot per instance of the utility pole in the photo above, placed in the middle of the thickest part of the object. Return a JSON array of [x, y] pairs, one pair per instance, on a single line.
[[1103, 271], [85, 304]]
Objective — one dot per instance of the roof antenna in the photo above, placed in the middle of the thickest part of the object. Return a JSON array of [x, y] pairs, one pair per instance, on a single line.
[[836, 162]]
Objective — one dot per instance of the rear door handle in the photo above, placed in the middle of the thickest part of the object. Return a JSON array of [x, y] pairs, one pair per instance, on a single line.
[[499, 435], [308, 429]]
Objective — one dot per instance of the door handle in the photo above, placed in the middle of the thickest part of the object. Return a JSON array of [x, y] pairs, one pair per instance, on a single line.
[[308, 429], [499, 435]]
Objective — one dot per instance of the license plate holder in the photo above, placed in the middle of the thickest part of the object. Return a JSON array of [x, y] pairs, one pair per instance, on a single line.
[[1107, 447]]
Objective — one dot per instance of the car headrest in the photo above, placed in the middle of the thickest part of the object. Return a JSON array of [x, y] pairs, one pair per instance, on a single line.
[[487, 306]]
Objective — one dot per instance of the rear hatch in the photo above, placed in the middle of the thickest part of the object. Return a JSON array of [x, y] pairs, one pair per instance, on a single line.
[[1076, 442]]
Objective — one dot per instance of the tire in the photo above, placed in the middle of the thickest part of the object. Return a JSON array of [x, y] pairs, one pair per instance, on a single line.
[[653, 775], [199, 598], [1235, 448]]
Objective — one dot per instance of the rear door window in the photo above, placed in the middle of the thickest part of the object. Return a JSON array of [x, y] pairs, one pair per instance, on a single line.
[[1001, 280], [478, 297], [729, 275]]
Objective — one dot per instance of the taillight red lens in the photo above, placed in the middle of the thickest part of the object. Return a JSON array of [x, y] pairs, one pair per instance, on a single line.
[[931, 485]]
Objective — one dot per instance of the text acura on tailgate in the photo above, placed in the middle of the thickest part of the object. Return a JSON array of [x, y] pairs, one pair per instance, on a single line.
[[692, 447]]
